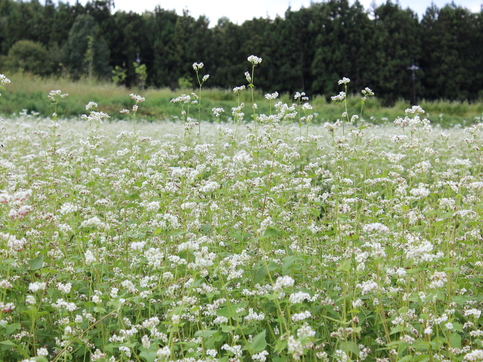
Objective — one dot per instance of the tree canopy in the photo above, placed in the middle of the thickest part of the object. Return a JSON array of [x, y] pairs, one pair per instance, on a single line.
[[306, 50]]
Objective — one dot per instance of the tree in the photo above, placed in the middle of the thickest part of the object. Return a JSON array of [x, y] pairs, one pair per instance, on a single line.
[[166, 59], [452, 58], [344, 45], [228, 58], [27, 56], [86, 52], [398, 35]]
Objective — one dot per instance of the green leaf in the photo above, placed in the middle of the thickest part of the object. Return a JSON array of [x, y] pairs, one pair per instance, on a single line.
[[206, 228], [421, 358], [288, 261], [37, 263], [421, 345], [263, 271], [41, 359], [455, 340], [460, 299], [227, 312], [12, 328], [280, 345], [271, 232], [258, 343], [397, 329], [227, 329], [148, 354], [351, 347], [406, 359], [458, 327], [7, 345]]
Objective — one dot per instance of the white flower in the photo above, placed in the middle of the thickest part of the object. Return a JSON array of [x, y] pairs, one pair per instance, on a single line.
[[299, 297], [4, 79], [185, 98], [252, 316], [254, 59], [414, 109], [210, 187], [36, 286], [295, 348], [367, 92], [5, 284], [262, 356], [137, 98], [42, 352], [126, 351], [283, 282], [242, 157], [64, 288], [198, 66], [217, 111], [378, 227], [344, 80], [90, 258], [421, 191], [367, 286], [91, 105], [307, 106], [271, 96], [298, 95], [163, 353], [238, 89], [339, 98], [475, 355], [301, 316]]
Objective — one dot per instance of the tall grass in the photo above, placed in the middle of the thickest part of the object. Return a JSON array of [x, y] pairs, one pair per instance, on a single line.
[[30, 93]]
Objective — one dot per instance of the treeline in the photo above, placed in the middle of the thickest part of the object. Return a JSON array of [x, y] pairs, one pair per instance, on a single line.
[[306, 50]]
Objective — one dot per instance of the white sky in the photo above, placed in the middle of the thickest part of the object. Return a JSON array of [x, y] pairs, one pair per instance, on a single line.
[[240, 10]]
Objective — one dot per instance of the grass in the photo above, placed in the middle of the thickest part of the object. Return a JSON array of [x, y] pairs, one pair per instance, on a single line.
[[27, 92], [273, 239]]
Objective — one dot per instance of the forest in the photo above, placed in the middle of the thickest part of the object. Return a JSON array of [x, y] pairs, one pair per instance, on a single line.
[[305, 50]]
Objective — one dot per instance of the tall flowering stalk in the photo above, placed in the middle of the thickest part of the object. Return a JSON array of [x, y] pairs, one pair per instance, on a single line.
[[197, 67], [138, 99], [251, 78], [3, 81], [366, 93], [54, 96]]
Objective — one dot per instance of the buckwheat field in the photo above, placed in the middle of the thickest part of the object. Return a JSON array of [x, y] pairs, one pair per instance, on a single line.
[[262, 237]]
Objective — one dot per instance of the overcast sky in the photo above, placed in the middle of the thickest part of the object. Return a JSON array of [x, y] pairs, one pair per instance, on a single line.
[[240, 10]]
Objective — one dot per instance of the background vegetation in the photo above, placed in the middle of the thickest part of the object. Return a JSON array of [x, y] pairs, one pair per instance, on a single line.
[[306, 50], [27, 94]]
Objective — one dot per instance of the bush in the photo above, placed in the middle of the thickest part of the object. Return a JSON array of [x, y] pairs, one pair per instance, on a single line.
[[27, 56]]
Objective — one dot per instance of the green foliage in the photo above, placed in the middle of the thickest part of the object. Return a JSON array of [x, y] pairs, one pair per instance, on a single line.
[[118, 75], [185, 83], [86, 52], [28, 92], [451, 63], [306, 50], [142, 74], [27, 56]]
